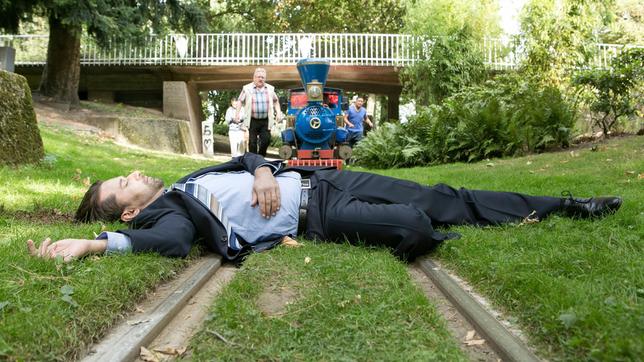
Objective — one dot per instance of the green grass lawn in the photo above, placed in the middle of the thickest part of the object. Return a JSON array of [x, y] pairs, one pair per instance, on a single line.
[[49, 310], [575, 286], [345, 303]]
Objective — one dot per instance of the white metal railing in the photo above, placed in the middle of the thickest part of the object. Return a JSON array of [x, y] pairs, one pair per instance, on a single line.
[[278, 49]]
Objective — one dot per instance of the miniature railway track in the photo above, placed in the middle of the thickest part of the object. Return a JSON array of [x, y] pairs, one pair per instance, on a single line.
[[124, 342], [503, 342], [140, 329]]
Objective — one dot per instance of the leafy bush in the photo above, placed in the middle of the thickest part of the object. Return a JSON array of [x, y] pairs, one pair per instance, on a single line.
[[276, 141], [613, 92], [505, 116], [390, 145], [453, 63], [220, 128]]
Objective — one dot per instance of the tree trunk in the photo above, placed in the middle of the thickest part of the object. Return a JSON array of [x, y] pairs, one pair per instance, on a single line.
[[62, 71]]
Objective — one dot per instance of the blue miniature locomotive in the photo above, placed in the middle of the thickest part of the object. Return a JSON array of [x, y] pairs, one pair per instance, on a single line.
[[314, 120]]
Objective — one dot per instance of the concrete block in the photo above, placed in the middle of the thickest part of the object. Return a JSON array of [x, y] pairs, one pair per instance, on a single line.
[[181, 100]]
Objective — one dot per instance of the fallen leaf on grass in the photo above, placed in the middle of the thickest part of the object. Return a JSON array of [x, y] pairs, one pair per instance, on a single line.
[[529, 163], [489, 164], [67, 289], [172, 351], [474, 342], [136, 322], [307, 260], [292, 243], [629, 173], [568, 319], [470, 335], [147, 355], [640, 176]]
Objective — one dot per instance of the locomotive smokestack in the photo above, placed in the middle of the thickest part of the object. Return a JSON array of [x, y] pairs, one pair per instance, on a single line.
[[314, 73]]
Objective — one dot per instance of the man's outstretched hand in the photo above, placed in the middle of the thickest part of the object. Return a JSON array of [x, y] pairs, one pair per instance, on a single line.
[[68, 249], [266, 192]]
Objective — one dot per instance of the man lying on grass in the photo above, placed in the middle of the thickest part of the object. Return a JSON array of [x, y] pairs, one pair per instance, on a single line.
[[216, 206]]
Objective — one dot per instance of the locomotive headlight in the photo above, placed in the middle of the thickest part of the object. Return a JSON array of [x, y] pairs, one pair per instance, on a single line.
[[315, 92]]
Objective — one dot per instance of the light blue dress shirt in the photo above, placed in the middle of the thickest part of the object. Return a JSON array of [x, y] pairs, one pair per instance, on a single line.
[[234, 192]]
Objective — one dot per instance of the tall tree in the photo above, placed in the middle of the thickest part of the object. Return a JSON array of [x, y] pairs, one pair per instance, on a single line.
[[627, 23], [348, 16], [558, 35], [103, 20], [446, 17]]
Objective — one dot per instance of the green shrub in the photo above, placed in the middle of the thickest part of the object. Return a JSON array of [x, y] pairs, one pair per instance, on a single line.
[[503, 117], [276, 141], [613, 91], [454, 62], [390, 145], [220, 128]]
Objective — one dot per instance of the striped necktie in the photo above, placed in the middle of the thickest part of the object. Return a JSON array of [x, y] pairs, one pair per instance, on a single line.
[[211, 203]]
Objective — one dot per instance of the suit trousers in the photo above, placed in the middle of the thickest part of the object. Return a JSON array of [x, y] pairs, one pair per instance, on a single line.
[[258, 129], [379, 210]]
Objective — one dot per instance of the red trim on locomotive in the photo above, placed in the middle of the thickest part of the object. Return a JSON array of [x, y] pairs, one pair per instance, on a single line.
[[319, 162]]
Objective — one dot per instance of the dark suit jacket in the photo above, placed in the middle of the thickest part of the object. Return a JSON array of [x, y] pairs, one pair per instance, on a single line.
[[176, 220]]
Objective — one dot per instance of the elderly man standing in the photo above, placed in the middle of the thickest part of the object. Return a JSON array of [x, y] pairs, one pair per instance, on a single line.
[[261, 106]]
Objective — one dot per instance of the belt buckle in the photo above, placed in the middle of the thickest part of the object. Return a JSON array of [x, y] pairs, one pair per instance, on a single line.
[[306, 183]]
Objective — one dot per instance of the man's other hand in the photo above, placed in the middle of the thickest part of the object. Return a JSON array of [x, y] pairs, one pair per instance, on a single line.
[[68, 249], [266, 192]]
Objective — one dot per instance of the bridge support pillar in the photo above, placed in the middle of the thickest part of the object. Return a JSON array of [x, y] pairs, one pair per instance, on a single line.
[[393, 102], [181, 100]]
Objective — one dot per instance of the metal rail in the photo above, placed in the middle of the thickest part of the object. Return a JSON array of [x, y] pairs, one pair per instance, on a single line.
[[508, 346], [277, 49]]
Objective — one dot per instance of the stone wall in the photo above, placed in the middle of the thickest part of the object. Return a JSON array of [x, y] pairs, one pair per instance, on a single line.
[[20, 140]]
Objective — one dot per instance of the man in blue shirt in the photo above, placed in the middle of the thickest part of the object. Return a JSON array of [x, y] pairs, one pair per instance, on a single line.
[[354, 118], [250, 204]]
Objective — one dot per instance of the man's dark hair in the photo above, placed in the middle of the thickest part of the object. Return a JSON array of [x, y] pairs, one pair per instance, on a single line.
[[91, 209]]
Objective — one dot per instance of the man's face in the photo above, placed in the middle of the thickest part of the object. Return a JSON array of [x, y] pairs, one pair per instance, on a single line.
[[359, 103], [136, 190], [259, 78]]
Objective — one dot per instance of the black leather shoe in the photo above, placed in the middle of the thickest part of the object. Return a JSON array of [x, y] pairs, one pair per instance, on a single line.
[[590, 207]]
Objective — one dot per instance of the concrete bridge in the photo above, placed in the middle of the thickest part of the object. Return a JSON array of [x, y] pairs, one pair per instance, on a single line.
[[170, 71]]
